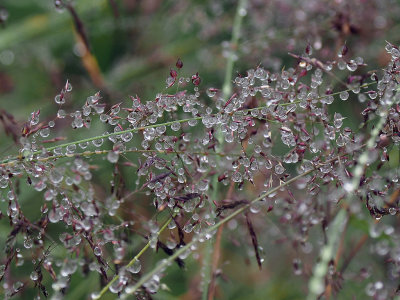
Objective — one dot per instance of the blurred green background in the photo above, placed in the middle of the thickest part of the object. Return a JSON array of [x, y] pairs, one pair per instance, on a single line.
[[131, 46]]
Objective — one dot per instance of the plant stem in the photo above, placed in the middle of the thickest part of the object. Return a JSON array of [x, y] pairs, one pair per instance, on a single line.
[[105, 289], [133, 130], [317, 281], [226, 91], [163, 264], [237, 24], [316, 284], [99, 152]]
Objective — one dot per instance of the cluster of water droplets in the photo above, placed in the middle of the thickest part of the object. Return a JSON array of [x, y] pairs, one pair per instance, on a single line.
[[272, 127]]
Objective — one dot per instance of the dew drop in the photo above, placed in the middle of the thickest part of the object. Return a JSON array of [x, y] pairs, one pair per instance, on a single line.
[[2, 270], [372, 95], [176, 126], [34, 276], [351, 66], [126, 137], [237, 177], [135, 267], [17, 286], [97, 251], [28, 243], [59, 99], [95, 295], [116, 287], [56, 176], [279, 169], [344, 95], [113, 156], [152, 285], [45, 132], [97, 142], [211, 92]]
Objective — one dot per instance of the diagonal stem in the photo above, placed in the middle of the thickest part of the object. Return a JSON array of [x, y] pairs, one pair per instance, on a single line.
[[165, 263], [133, 260]]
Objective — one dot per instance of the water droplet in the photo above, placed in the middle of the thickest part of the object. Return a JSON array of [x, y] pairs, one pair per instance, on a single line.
[[135, 267], [152, 285], [97, 142], [95, 295], [68, 87], [54, 217], [297, 266], [59, 99], [237, 177], [45, 132], [211, 92], [71, 149], [255, 207], [338, 120], [2, 269], [113, 156], [97, 251], [344, 95], [279, 169], [34, 276], [229, 137], [61, 114], [176, 126], [242, 12], [28, 243], [117, 286], [17, 286], [372, 94], [56, 176], [351, 66], [126, 137], [378, 285]]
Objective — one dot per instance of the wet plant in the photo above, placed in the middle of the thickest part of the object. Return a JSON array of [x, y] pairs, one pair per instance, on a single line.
[[266, 146]]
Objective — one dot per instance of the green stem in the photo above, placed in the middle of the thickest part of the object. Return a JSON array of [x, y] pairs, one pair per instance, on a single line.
[[19, 158], [316, 284], [99, 152], [165, 263], [105, 289], [237, 24], [226, 91]]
